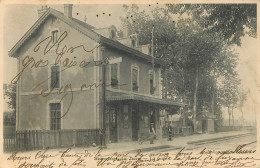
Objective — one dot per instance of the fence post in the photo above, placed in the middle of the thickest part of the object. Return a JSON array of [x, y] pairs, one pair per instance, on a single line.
[[18, 139], [24, 139], [29, 143], [33, 138], [59, 141], [74, 135], [37, 139], [43, 139]]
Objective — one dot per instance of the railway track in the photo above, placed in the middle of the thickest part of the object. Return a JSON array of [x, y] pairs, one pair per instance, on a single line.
[[193, 145], [247, 138], [213, 140]]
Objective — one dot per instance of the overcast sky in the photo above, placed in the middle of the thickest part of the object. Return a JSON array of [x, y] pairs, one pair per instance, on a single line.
[[19, 18]]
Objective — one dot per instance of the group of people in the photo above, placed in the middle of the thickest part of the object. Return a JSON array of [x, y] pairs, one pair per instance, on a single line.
[[169, 130]]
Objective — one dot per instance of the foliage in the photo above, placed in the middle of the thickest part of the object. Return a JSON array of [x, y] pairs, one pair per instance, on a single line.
[[229, 94], [201, 40], [242, 98], [9, 119], [10, 95], [231, 21]]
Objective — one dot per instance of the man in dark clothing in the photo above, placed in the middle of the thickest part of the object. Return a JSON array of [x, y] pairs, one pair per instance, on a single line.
[[170, 131], [102, 136]]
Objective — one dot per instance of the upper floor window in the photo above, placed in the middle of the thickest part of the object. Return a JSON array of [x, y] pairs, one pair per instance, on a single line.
[[54, 35], [151, 81], [55, 77], [135, 78], [114, 75], [150, 50], [133, 43], [113, 34], [55, 110]]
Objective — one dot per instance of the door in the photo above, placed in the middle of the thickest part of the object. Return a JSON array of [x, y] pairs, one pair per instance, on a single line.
[[135, 123], [113, 123], [204, 126], [152, 119]]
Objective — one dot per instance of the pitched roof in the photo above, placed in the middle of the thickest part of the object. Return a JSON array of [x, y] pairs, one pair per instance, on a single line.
[[83, 24], [83, 28]]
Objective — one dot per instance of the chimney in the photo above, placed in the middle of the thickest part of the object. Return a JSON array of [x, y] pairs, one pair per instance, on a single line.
[[68, 10], [42, 10]]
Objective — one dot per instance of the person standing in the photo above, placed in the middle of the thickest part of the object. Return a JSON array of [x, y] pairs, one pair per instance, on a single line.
[[170, 131], [153, 136]]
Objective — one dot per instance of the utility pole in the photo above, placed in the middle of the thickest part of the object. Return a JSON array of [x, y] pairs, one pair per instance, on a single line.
[[104, 64], [152, 49], [103, 103]]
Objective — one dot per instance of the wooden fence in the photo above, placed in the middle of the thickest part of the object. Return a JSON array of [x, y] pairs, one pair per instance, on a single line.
[[41, 139]]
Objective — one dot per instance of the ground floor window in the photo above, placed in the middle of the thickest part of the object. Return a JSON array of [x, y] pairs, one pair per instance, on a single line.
[[55, 110]]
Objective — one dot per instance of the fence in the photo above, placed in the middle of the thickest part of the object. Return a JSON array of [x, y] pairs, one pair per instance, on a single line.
[[178, 131], [40, 139], [228, 128]]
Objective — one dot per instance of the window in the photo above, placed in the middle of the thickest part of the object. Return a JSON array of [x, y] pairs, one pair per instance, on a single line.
[[55, 77], [113, 34], [55, 110], [125, 116], [133, 42], [150, 50], [135, 76], [113, 116], [54, 35], [151, 80], [146, 122], [114, 76]]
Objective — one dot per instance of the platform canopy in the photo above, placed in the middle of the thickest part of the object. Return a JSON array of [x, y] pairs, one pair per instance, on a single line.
[[119, 96]]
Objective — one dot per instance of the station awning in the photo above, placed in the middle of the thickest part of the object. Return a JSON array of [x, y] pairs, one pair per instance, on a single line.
[[118, 96]]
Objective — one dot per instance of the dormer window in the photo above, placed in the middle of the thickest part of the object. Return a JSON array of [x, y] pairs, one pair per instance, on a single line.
[[54, 36], [150, 50], [133, 43], [113, 34]]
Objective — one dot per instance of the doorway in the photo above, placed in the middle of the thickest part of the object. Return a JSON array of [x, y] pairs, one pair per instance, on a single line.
[[204, 126], [152, 119], [135, 123], [113, 123]]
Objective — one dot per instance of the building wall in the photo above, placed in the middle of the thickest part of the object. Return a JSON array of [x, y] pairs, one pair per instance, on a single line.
[[84, 112], [125, 72], [33, 110]]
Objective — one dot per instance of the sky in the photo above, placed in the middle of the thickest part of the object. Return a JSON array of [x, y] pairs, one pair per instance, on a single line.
[[19, 18]]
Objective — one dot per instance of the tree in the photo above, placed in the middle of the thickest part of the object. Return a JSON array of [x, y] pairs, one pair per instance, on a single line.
[[196, 59], [231, 21], [10, 95], [242, 99], [230, 95]]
